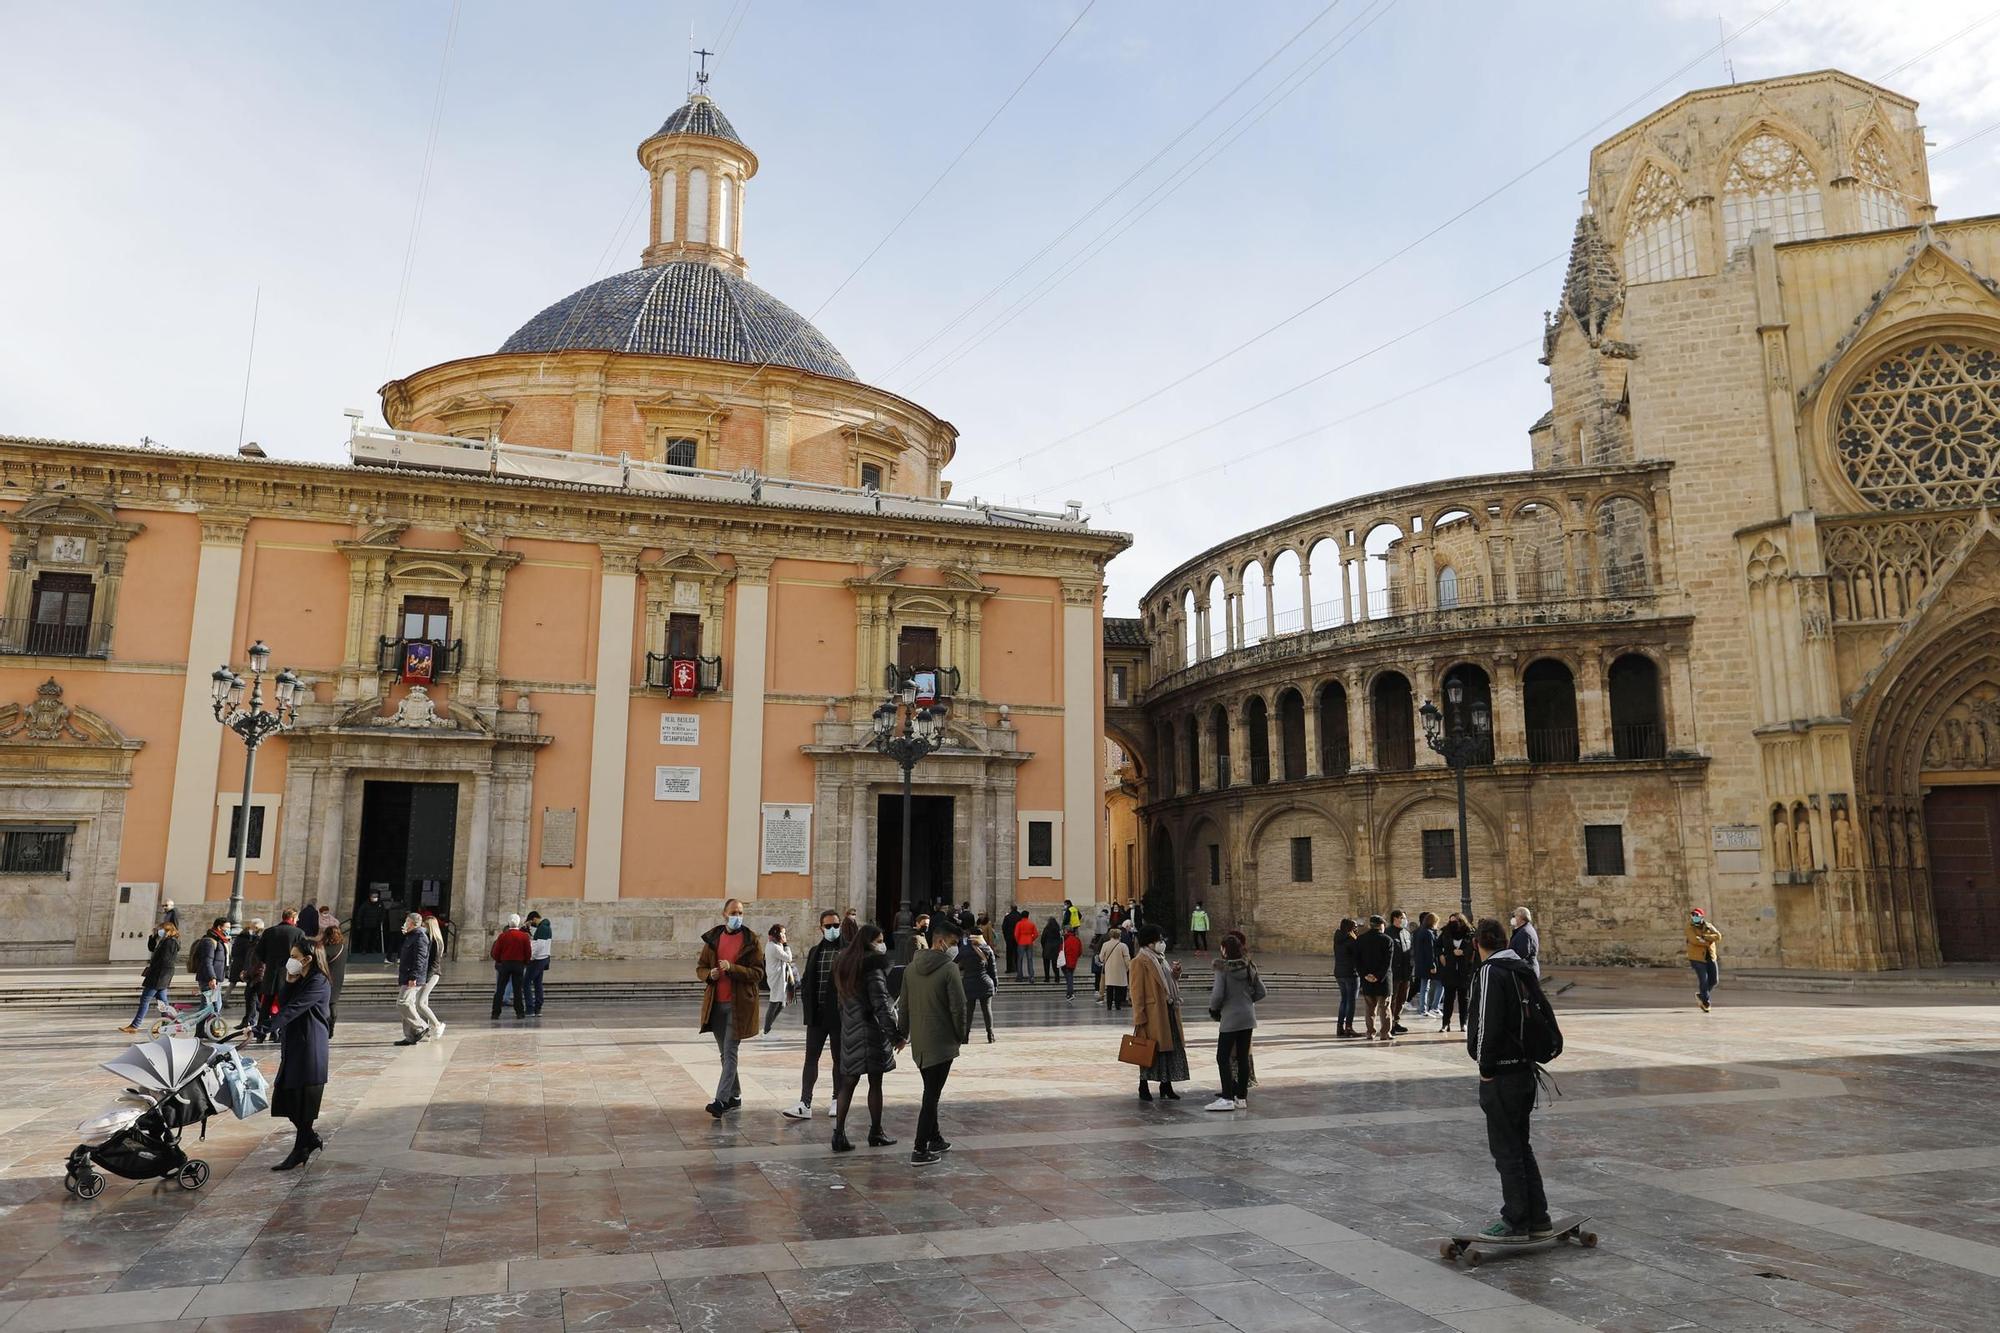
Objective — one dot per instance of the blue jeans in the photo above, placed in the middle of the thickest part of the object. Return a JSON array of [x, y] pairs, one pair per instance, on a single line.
[[1704, 978], [536, 967], [146, 997], [1069, 982], [1349, 987], [1429, 994]]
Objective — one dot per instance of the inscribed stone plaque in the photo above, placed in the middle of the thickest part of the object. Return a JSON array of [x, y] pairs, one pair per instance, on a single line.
[[558, 836], [680, 728], [687, 596], [1738, 838], [676, 784], [788, 839]]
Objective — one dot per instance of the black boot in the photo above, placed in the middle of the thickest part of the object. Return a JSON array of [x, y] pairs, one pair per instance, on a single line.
[[302, 1140], [1145, 1093], [877, 1139]]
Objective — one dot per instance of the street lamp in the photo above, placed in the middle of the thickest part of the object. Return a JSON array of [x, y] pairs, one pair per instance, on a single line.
[[906, 730], [1459, 745], [250, 720]]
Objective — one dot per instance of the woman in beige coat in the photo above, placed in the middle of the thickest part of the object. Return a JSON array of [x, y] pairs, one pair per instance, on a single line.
[[1117, 962], [1156, 1013]]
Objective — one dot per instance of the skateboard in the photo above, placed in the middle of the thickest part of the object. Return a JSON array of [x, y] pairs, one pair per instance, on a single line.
[[1475, 1249]]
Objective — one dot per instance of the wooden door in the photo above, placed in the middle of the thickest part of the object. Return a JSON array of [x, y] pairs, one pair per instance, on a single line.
[[1963, 824]]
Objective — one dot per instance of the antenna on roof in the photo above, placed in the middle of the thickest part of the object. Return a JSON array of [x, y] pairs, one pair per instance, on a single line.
[[1728, 65], [249, 361]]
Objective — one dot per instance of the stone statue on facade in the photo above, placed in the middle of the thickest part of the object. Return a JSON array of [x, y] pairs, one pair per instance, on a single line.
[[1781, 843], [1843, 839], [1899, 844], [1917, 847], [1802, 845]]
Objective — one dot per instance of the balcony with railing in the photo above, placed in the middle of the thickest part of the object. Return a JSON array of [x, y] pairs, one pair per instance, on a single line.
[[1552, 745], [941, 682], [683, 675], [43, 638], [446, 655]]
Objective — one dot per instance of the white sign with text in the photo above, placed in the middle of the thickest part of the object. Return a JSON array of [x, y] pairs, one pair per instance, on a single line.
[[676, 784], [680, 728], [788, 839]]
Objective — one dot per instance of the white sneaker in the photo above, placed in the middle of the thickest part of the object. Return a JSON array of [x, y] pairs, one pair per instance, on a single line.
[[1242, 1103], [437, 1033], [1220, 1104], [802, 1111]]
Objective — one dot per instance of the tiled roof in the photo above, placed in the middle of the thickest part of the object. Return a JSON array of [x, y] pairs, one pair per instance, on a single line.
[[686, 308], [701, 116], [1124, 632]]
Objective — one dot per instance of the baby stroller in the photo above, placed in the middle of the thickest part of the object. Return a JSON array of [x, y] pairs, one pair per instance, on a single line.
[[171, 1083]]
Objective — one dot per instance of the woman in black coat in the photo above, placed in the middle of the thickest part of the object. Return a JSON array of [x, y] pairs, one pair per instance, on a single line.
[[1458, 959], [869, 1036], [302, 1022], [978, 969], [1051, 946], [162, 957], [333, 944]]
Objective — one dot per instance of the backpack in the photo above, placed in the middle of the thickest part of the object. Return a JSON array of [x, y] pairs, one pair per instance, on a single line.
[[1541, 1035]]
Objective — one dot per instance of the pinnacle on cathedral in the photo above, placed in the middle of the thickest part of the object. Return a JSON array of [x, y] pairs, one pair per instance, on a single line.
[[1593, 288]]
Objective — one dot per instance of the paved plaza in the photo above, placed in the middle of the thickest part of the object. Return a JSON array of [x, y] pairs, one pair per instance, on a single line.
[[1787, 1162]]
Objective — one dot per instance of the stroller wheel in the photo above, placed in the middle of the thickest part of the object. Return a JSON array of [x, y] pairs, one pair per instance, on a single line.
[[90, 1186], [194, 1175], [215, 1029], [69, 1182]]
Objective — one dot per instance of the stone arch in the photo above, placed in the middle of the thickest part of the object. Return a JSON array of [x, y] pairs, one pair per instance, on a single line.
[[1400, 849], [1292, 738], [1218, 745], [1768, 151], [1635, 687], [1392, 721], [1884, 385], [1257, 739], [1206, 873], [1287, 591], [1653, 223], [1298, 894], [1623, 526], [1549, 710], [1882, 174], [1250, 578]]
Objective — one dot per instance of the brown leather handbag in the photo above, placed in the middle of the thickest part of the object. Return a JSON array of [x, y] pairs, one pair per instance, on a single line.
[[1134, 1049]]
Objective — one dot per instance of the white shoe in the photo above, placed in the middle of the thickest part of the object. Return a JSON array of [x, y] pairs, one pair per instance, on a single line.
[[437, 1033], [1220, 1104], [1242, 1103], [800, 1112]]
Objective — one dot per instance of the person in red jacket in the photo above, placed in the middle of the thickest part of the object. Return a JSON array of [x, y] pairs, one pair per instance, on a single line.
[[510, 964], [1072, 949], [1026, 936]]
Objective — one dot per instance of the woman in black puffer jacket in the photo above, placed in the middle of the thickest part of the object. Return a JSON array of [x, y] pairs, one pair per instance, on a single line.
[[868, 1030], [163, 958]]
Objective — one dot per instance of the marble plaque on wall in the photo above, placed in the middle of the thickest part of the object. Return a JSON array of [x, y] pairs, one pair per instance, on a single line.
[[559, 837]]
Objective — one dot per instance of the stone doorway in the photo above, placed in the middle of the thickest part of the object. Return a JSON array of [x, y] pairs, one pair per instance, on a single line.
[[930, 853], [408, 839], [1963, 827]]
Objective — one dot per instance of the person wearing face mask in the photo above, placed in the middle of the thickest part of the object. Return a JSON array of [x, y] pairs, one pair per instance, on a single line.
[[1156, 1013], [510, 953], [413, 968], [1704, 949], [869, 1037], [980, 971], [731, 967], [778, 973], [819, 1006], [934, 1018], [305, 1001], [1072, 950]]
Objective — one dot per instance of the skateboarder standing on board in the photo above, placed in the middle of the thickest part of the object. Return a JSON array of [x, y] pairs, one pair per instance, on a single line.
[[1509, 1037]]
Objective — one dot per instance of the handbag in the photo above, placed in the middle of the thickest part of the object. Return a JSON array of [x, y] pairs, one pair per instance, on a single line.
[[1134, 1049], [244, 1089]]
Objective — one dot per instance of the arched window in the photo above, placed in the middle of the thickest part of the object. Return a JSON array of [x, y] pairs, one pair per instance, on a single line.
[[1636, 731], [1659, 244], [1548, 701], [726, 218], [1166, 775], [1447, 588], [1395, 733], [1475, 694], [1190, 631], [1219, 612], [1770, 187], [1333, 750], [1194, 752], [1880, 195], [1621, 545], [1218, 744], [669, 224], [1292, 734], [697, 221], [1257, 735], [1922, 429]]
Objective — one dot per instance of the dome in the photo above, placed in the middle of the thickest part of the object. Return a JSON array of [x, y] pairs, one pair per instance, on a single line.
[[685, 308], [701, 116]]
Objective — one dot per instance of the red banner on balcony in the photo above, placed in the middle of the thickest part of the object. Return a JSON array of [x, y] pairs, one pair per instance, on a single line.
[[682, 678], [419, 662]]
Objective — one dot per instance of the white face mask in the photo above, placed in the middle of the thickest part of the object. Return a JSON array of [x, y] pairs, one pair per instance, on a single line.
[[952, 952], [1159, 947], [879, 947], [735, 922], [832, 934], [293, 967]]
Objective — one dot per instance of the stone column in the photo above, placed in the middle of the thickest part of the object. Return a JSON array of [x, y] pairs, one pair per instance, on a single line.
[[1360, 726], [610, 720], [1309, 697], [198, 749], [1592, 713], [1510, 736], [1239, 745], [1270, 605], [330, 791], [777, 433], [746, 725], [1082, 769], [1306, 592]]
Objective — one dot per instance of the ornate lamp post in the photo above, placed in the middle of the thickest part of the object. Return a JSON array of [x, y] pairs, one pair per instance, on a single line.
[[1466, 740], [906, 730], [250, 720]]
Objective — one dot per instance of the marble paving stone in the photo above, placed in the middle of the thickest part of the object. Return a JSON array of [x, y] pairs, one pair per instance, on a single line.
[[640, 1305], [402, 1316], [271, 1295], [513, 1311], [110, 1310], [427, 1283], [582, 1270], [285, 1321]]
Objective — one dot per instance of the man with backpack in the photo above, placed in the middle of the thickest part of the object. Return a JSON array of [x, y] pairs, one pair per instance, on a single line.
[[1513, 1032]]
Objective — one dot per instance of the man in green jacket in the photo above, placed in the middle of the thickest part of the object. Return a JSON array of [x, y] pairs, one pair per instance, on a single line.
[[934, 1015], [1198, 927]]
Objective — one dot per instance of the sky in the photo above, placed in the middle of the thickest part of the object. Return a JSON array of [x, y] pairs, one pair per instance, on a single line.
[[1076, 286]]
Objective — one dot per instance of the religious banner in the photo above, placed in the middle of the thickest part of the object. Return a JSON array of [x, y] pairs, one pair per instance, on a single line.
[[419, 662], [682, 678], [926, 686]]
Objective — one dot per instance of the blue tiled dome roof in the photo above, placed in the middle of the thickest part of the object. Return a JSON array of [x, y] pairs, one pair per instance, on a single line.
[[686, 308], [701, 116]]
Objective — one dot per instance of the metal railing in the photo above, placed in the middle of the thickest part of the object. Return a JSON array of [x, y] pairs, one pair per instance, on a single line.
[[52, 640], [945, 680], [373, 446], [1638, 740], [707, 672], [446, 655], [1552, 745]]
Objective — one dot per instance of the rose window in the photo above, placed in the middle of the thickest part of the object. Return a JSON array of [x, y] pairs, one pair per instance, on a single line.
[[1921, 430]]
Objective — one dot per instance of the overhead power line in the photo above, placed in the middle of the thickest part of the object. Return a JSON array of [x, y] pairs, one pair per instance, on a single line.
[[1386, 260], [423, 192]]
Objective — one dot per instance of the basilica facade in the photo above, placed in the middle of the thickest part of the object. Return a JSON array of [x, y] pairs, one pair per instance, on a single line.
[[1731, 642], [599, 624]]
